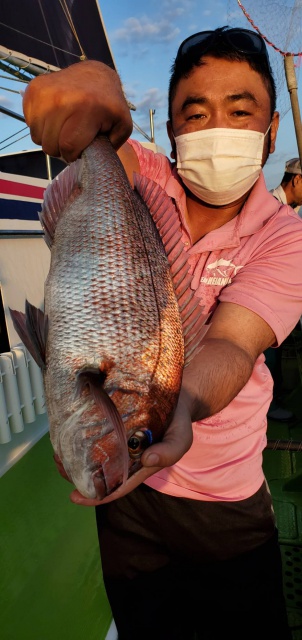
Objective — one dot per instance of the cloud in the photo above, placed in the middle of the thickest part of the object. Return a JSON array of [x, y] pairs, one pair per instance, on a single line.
[[6, 102], [138, 30], [152, 99], [173, 9]]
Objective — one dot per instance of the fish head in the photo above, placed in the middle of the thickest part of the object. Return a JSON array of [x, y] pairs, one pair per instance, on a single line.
[[117, 454], [102, 440]]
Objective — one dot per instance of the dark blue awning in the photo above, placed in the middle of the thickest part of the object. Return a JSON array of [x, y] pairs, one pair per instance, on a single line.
[[55, 32]]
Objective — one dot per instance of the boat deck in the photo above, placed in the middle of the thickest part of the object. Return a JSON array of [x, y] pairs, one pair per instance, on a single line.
[[51, 582]]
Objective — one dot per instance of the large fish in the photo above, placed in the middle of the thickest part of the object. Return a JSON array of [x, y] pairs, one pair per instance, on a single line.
[[120, 319]]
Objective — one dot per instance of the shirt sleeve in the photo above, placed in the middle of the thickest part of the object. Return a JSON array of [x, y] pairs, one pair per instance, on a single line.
[[155, 166], [270, 283]]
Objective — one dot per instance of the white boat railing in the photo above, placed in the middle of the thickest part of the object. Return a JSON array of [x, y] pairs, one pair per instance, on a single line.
[[23, 415], [21, 392]]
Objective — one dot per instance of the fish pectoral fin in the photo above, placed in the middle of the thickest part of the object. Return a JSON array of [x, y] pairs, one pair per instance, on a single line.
[[32, 328], [94, 379]]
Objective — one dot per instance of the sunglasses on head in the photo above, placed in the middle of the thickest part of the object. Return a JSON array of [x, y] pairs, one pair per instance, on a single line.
[[241, 40]]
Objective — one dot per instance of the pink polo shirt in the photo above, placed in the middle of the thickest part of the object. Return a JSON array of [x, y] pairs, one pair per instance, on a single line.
[[253, 260]]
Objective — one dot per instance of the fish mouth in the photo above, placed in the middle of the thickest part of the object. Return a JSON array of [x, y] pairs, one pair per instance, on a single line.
[[105, 486]]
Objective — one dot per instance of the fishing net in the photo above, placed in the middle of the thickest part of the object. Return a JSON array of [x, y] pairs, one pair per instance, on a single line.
[[280, 24]]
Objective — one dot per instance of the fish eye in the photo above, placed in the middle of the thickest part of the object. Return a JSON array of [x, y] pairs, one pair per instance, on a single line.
[[138, 442]]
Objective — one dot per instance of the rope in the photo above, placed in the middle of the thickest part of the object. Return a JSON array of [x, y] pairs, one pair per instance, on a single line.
[[64, 6], [47, 44], [271, 44], [18, 139]]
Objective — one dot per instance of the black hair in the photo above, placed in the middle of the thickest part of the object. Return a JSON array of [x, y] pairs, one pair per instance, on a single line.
[[287, 177], [220, 48]]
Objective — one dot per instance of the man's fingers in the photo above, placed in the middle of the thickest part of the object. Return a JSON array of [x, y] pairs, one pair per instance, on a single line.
[[166, 453], [176, 442], [73, 136], [130, 484], [77, 498], [65, 110]]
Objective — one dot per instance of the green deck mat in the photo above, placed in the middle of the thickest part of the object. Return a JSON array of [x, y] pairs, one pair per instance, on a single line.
[[50, 573], [283, 470]]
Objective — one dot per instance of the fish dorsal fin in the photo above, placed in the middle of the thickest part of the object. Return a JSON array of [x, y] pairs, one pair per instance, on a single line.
[[56, 195], [163, 212], [32, 327]]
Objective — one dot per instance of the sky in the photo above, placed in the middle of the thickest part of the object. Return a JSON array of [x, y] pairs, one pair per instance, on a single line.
[[144, 37]]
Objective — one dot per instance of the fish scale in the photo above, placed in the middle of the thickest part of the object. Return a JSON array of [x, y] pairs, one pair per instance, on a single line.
[[115, 342]]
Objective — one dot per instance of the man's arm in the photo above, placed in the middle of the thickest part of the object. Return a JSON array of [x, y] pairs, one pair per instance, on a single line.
[[235, 339], [232, 344]]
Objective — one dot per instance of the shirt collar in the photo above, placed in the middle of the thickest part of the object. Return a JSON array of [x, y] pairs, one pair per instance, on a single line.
[[280, 194], [259, 206]]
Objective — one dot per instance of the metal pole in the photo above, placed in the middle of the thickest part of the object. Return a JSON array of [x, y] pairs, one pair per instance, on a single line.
[[292, 86], [23, 65], [48, 167], [151, 113], [12, 114]]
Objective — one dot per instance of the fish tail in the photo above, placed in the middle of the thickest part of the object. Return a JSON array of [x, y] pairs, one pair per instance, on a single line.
[[32, 327]]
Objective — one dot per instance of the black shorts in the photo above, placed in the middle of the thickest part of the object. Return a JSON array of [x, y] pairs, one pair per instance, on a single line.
[[180, 569]]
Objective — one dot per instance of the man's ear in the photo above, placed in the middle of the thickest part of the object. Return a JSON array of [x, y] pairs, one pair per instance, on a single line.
[[172, 140], [274, 129]]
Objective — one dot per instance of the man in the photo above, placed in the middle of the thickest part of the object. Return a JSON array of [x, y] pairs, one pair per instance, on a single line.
[[290, 189], [189, 544]]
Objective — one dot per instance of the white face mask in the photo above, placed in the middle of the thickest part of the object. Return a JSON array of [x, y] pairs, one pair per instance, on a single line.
[[220, 165]]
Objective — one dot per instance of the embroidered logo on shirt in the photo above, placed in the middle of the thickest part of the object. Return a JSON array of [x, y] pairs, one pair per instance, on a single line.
[[220, 272]]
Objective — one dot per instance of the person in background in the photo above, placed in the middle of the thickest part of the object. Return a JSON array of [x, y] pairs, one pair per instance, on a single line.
[[290, 189], [189, 544], [288, 192]]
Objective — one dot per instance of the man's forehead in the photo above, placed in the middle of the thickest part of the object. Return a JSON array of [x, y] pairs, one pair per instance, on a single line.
[[229, 79]]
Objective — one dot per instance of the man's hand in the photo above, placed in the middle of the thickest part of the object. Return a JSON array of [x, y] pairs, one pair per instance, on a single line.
[[177, 440], [66, 109]]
